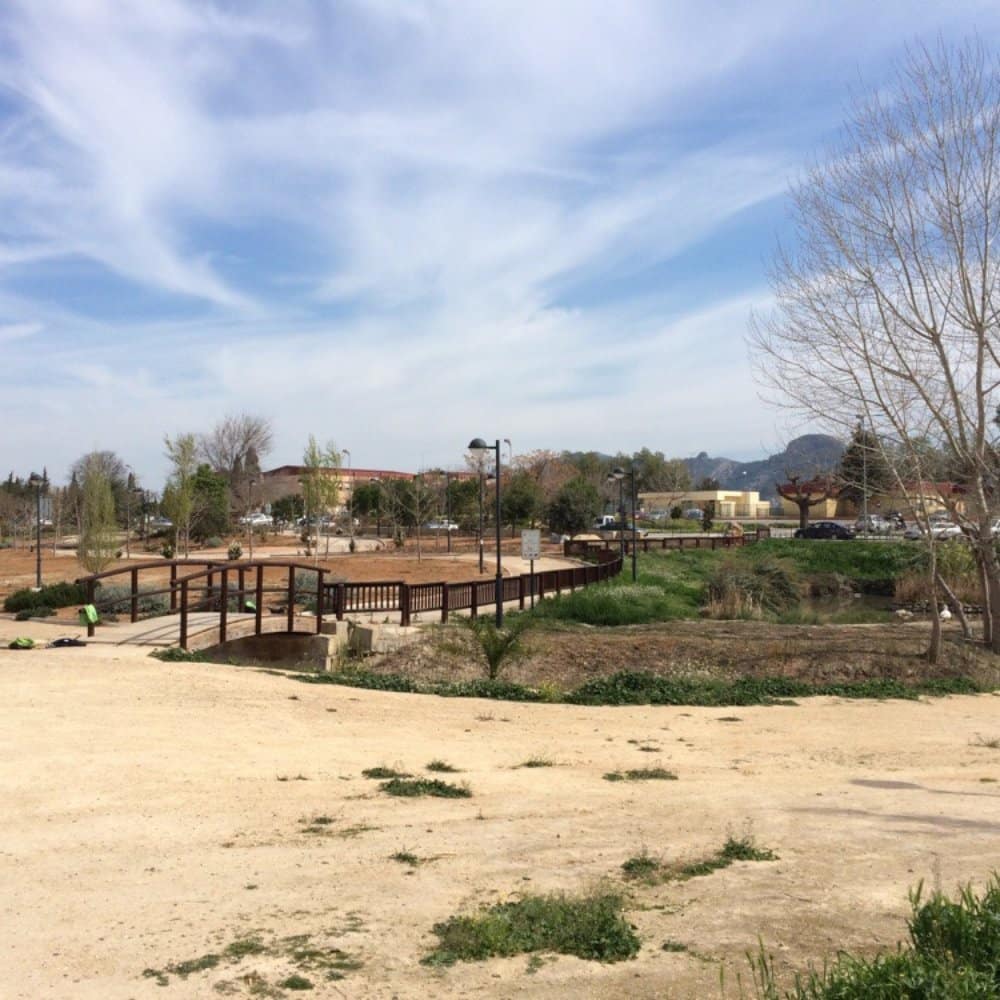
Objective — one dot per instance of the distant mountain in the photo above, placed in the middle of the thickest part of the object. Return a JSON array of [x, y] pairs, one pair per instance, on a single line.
[[806, 455]]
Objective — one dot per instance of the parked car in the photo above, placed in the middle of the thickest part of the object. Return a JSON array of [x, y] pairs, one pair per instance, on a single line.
[[257, 520], [694, 513], [825, 529], [875, 525], [159, 523], [942, 530], [442, 525]]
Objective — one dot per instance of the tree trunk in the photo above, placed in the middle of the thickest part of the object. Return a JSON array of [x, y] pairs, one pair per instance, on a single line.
[[934, 650], [803, 513], [955, 606], [984, 600]]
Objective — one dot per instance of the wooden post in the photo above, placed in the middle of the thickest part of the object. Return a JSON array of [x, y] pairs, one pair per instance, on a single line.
[[91, 588], [241, 582], [404, 604], [134, 615], [291, 598], [445, 596], [520, 592], [341, 600], [224, 605], [320, 594], [259, 600], [474, 606], [173, 586], [184, 614]]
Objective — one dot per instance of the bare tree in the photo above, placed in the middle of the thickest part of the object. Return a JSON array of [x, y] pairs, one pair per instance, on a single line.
[[320, 487], [233, 449], [887, 306], [806, 493]]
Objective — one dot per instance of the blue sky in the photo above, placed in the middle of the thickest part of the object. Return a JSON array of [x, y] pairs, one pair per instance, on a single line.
[[401, 224]]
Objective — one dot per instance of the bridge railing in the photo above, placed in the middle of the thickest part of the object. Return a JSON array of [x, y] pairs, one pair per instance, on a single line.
[[243, 587]]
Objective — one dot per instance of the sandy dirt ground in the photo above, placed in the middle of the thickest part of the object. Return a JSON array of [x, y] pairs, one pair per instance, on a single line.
[[155, 813]]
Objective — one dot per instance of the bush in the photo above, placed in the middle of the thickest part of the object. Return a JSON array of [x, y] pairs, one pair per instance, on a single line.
[[40, 612], [55, 595], [610, 603], [748, 591], [213, 542], [235, 551], [592, 927], [115, 599], [498, 644], [953, 954]]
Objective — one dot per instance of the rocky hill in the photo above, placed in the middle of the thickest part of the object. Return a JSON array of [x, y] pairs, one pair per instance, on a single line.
[[809, 454]]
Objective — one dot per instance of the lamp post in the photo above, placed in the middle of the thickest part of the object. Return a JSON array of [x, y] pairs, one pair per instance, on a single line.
[[350, 496], [251, 482], [635, 530], [482, 484], [35, 480], [377, 483], [618, 473], [479, 446], [864, 472], [131, 491]]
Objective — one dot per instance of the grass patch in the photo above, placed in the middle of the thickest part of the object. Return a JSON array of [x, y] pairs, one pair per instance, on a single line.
[[591, 927], [296, 982], [641, 774], [629, 687], [734, 849], [413, 787], [383, 773], [175, 654], [536, 762], [643, 867], [673, 946], [988, 744], [952, 953], [442, 767], [405, 858]]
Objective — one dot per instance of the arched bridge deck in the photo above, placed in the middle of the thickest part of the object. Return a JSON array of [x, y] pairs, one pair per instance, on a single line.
[[229, 600]]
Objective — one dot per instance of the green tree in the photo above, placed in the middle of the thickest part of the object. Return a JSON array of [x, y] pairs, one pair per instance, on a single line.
[[575, 507], [658, 474], [210, 496], [98, 543], [521, 500], [178, 496], [320, 485], [288, 509], [862, 466]]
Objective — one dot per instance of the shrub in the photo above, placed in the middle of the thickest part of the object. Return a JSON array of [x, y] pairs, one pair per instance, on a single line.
[[213, 542], [55, 595], [592, 927], [738, 590], [118, 598], [498, 644], [610, 603], [953, 953], [235, 551], [40, 612]]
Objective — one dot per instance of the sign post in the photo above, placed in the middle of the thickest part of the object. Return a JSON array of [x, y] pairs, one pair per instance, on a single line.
[[531, 549]]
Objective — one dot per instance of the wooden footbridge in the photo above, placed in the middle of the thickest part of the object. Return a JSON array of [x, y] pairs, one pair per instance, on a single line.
[[218, 601]]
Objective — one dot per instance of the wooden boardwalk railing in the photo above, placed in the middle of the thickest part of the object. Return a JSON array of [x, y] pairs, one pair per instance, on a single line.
[[226, 587]]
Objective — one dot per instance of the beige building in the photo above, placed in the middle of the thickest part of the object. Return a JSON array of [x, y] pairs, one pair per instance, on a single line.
[[286, 480], [728, 503]]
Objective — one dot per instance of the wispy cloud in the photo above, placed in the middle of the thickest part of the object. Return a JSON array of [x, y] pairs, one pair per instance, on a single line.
[[401, 224]]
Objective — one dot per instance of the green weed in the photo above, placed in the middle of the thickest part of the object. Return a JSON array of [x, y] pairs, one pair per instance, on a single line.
[[641, 774], [410, 788], [591, 927]]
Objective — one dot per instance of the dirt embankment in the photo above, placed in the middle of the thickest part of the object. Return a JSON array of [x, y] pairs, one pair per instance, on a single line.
[[568, 657]]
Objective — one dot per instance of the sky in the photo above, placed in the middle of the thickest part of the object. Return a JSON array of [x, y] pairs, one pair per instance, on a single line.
[[401, 224]]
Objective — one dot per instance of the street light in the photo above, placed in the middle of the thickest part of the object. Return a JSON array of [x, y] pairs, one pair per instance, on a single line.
[[377, 483], [864, 473], [350, 496], [131, 490], [480, 447], [35, 480], [618, 473], [251, 482]]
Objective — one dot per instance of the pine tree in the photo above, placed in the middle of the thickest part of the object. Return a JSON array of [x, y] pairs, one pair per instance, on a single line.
[[862, 466]]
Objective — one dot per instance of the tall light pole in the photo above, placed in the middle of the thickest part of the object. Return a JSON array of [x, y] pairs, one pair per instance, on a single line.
[[377, 483], [480, 447], [131, 490], [635, 529], [482, 485], [250, 485], [35, 480], [618, 473], [864, 472], [350, 496]]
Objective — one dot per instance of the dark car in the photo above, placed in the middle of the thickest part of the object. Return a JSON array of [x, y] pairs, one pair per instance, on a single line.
[[825, 529]]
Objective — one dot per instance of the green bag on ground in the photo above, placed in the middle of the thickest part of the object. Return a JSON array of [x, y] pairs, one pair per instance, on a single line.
[[89, 615], [21, 642], [249, 605]]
